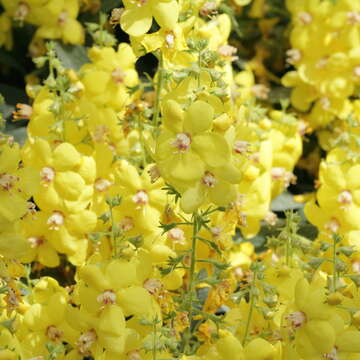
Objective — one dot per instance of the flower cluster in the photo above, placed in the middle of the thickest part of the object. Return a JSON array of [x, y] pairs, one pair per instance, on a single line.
[[324, 52], [54, 19], [140, 217]]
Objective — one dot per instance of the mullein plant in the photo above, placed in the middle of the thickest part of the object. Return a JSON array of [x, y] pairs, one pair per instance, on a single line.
[[133, 192]]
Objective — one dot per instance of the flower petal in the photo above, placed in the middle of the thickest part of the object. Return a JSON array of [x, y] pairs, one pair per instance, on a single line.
[[192, 199], [212, 148], [136, 21], [166, 13], [199, 117]]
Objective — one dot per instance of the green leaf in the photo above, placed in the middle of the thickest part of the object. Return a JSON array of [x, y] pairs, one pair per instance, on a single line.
[[18, 132], [308, 231], [278, 94], [285, 201], [71, 56], [6, 110]]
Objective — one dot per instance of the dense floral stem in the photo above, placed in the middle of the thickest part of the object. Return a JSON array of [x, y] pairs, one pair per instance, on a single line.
[[190, 287], [160, 84], [251, 310], [287, 257], [154, 340], [112, 234], [334, 277]]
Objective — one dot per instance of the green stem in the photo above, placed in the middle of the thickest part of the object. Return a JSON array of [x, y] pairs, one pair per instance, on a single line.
[[113, 237], [154, 340], [191, 287], [334, 279], [160, 84], [199, 64], [143, 148], [287, 250], [252, 305]]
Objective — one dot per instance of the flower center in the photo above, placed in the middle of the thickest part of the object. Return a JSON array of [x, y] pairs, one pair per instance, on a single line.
[[209, 179], [134, 355], [53, 333], [126, 224], [241, 147], [325, 103], [21, 12], [182, 142], [356, 71], [35, 241], [270, 218], [216, 231], [305, 17], [322, 63], [85, 342], [277, 173], [293, 56], [333, 355], [63, 17], [356, 267], [140, 2], [100, 133], [170, 40], [208, 8], [345, 197], [153, 285], [260, 91], [332, 225], [118, 76], [141, 198], [102, 184], [297, 319], [176, 235], [7, 181], [353, 17], [228, 51], [47, 175], [115, 16], [56, 220], [108, 297]]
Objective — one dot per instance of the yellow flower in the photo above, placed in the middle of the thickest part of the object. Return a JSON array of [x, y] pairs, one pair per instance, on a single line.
[[213, 187], [246, 88], [142, 200], [171, 42], [46, 324], [16, 184], [260, 349], [136, 20], [187, 145], [66, 176], [340, 187], [106, 79], [39, 247], [102, 286], [310, 318], [104, 184], [57, 20], [226, 347], [10, 348], [106, 330]]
